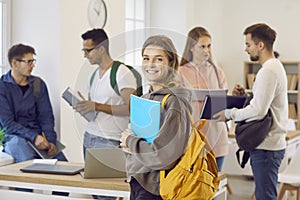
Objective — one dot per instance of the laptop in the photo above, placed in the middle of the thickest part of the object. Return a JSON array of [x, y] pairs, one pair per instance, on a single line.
[[52, 169], [214, 104], [104, 163]]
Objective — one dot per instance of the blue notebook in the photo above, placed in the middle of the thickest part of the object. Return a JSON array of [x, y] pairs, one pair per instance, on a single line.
[[144, 117]]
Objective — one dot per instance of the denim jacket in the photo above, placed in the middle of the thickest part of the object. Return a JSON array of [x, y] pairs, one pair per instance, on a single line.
[[25, 115]]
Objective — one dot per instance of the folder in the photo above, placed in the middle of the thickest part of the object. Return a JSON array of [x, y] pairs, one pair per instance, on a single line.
[[144, 117], [215, 104], [200, 94], [72, 98]]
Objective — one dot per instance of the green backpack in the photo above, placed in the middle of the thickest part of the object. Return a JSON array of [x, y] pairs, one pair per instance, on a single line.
[[113, 79]]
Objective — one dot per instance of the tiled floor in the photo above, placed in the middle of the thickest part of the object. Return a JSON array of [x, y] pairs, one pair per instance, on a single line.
[[243, 187]]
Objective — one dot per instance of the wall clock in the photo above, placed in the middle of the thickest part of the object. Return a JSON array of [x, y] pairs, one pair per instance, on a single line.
[[97, 13]]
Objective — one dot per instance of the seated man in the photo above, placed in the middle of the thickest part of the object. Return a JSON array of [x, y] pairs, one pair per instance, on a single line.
[[25, 111]]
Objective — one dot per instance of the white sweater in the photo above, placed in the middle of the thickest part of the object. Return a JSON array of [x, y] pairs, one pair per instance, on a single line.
[[270, 91]]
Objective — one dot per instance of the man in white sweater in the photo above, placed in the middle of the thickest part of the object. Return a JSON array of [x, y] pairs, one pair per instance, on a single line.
[[269, 91]]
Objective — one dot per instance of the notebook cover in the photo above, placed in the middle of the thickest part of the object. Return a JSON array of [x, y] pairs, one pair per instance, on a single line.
[[43, 153], [215, 104], [72, 98], [144, 117], [200, 94]]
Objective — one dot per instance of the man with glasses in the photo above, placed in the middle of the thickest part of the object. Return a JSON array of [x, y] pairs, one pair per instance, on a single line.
[[113, 109], [25, 110]]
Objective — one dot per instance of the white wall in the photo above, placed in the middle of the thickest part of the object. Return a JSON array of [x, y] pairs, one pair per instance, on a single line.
[[75, 69], [54, 27], [37, 23], [226, 21]]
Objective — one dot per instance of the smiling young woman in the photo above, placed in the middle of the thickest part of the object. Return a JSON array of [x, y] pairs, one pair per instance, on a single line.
[[145, 160]]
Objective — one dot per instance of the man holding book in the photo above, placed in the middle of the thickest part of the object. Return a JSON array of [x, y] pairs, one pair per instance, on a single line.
[[26, 113], [112, 108]]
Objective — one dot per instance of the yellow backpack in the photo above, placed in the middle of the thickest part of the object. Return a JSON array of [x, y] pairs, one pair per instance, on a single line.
[[195, 176]]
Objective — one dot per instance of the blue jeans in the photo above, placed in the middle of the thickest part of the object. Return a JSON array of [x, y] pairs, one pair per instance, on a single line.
[[20, 150], [265, 165], [93, 141], [220, 161]]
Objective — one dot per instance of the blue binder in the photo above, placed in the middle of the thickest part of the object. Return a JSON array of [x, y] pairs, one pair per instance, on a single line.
[[144, 117]]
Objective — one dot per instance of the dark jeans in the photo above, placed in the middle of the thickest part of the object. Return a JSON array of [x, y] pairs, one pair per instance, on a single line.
[[265, 165], [137, 192], [20, 150], [220, 161]]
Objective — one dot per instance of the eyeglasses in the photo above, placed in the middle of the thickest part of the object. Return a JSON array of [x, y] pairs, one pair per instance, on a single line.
[[87, 51], [29, 62]]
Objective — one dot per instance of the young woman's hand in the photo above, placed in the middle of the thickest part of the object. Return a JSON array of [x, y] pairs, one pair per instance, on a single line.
[[123, 139]]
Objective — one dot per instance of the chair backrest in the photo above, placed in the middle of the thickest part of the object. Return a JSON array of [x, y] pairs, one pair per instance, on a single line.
[[293, 166]]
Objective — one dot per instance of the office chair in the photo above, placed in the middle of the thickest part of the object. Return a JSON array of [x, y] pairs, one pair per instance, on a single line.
[[290, 177]]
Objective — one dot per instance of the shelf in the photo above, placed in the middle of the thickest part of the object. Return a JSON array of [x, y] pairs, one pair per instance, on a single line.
[[292, 69]]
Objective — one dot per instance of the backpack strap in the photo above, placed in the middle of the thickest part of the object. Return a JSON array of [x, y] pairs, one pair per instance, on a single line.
[[245, 158], [164, 100], [37, 88], [113, 76], [93, 77]]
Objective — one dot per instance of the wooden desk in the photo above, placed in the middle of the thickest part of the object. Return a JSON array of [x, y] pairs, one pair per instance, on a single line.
[[11, 176]]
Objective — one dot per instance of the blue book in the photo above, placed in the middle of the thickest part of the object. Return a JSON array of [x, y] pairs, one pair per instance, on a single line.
[[144, 117]]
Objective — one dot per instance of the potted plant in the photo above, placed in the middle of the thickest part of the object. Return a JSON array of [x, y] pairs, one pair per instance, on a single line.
[[2, 133]]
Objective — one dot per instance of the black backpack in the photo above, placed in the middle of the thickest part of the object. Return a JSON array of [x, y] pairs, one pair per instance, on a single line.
[[244, 134], [113, 79]]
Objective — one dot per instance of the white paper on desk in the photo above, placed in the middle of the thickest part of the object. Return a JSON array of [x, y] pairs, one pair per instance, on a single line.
[[45, 161]]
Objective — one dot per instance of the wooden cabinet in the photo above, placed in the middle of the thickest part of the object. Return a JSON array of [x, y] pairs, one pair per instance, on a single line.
[[293, 75]]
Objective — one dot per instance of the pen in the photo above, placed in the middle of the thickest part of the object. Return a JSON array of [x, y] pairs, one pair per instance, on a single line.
[[44, 136], [79, 93]]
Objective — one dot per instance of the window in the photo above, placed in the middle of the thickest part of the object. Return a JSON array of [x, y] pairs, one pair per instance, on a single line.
[[135, 22], [4, 33]]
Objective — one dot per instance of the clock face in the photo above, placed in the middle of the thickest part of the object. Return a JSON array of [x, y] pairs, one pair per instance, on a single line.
[[97, 13]]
